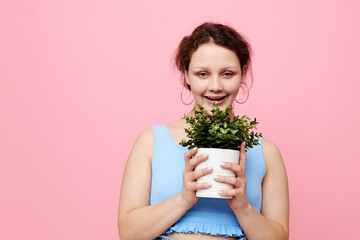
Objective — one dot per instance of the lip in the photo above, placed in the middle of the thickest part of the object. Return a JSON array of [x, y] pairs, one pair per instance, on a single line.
[[214, 98]]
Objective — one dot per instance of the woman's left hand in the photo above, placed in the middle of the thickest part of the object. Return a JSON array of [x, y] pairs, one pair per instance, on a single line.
[[238, 193]]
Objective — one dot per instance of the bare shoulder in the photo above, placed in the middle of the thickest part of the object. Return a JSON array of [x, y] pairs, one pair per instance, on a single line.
[[270, 147], [137, 174], [144, 143], [272, 155], [147, 136], [179, 123]]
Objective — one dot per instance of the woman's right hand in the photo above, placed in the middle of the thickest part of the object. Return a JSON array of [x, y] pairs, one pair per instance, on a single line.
[[189, 176]]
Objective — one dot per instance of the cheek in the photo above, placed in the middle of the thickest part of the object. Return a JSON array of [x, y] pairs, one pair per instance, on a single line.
[[198, 87], [233, 87]]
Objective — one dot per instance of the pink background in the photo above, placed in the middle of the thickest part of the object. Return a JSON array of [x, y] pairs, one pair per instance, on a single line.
[[80, 79]]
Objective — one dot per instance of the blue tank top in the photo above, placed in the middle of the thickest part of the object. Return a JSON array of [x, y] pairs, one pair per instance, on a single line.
[[209, 215]]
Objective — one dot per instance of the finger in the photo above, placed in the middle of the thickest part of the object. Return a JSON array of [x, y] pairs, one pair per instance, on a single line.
[[196, 160], [243, 157], [230, 193], [237, 182], [199, 186], [237, 169], [229, 180], [199, 173], [193, 186], [188, 155]]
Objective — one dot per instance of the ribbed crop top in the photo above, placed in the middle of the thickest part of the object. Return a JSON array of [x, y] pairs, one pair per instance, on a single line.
[[209, 215]]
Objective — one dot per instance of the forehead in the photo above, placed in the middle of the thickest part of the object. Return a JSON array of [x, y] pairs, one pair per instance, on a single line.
[[210, 54]]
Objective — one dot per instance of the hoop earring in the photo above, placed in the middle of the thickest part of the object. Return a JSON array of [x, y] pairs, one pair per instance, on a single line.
[[181, 96], [246, 97]]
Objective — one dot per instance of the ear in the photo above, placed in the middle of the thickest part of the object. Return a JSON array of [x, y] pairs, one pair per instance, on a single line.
[[242, 78], [245, 68], [187, 78]]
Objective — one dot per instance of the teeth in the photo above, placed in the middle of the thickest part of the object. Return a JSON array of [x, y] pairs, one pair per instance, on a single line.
[[216, 99]]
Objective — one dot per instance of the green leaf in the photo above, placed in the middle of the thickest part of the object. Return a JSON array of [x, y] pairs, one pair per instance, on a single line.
[[219, 129]]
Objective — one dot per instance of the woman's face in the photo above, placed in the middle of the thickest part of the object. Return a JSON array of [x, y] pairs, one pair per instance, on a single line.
[[214, 75]]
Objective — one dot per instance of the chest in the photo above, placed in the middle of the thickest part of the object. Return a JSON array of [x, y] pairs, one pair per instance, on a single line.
[[167, 174]]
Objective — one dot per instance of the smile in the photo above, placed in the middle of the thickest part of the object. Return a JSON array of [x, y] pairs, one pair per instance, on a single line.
[[219, 100], [215, 98]]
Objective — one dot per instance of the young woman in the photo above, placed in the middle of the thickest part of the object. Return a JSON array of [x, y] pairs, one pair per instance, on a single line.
[[158, 199]]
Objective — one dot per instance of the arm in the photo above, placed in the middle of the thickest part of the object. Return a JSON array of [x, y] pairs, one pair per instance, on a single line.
[[273, 222], [136, 219]]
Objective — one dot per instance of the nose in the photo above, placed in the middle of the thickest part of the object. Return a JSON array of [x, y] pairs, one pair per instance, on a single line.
[[216, 85]]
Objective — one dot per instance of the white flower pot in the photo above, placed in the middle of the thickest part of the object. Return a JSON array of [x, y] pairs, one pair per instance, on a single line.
[[216, 156]]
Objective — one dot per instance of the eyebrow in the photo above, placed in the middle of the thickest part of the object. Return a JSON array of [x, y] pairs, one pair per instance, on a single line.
[[199, 67]]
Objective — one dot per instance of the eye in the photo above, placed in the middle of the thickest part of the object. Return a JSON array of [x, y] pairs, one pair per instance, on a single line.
[[228, 74], [202, 74]]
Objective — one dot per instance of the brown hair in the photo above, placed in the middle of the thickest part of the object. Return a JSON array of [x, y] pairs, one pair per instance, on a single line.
[[219, 34]]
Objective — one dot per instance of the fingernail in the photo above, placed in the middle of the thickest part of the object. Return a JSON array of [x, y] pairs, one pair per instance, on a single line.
[[209, 168], [205, 155], [194, 148], [216, 177], [223, 164], [208, 184]]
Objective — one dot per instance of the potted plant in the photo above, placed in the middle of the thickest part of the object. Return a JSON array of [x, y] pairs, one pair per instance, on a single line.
[[219, 134]]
